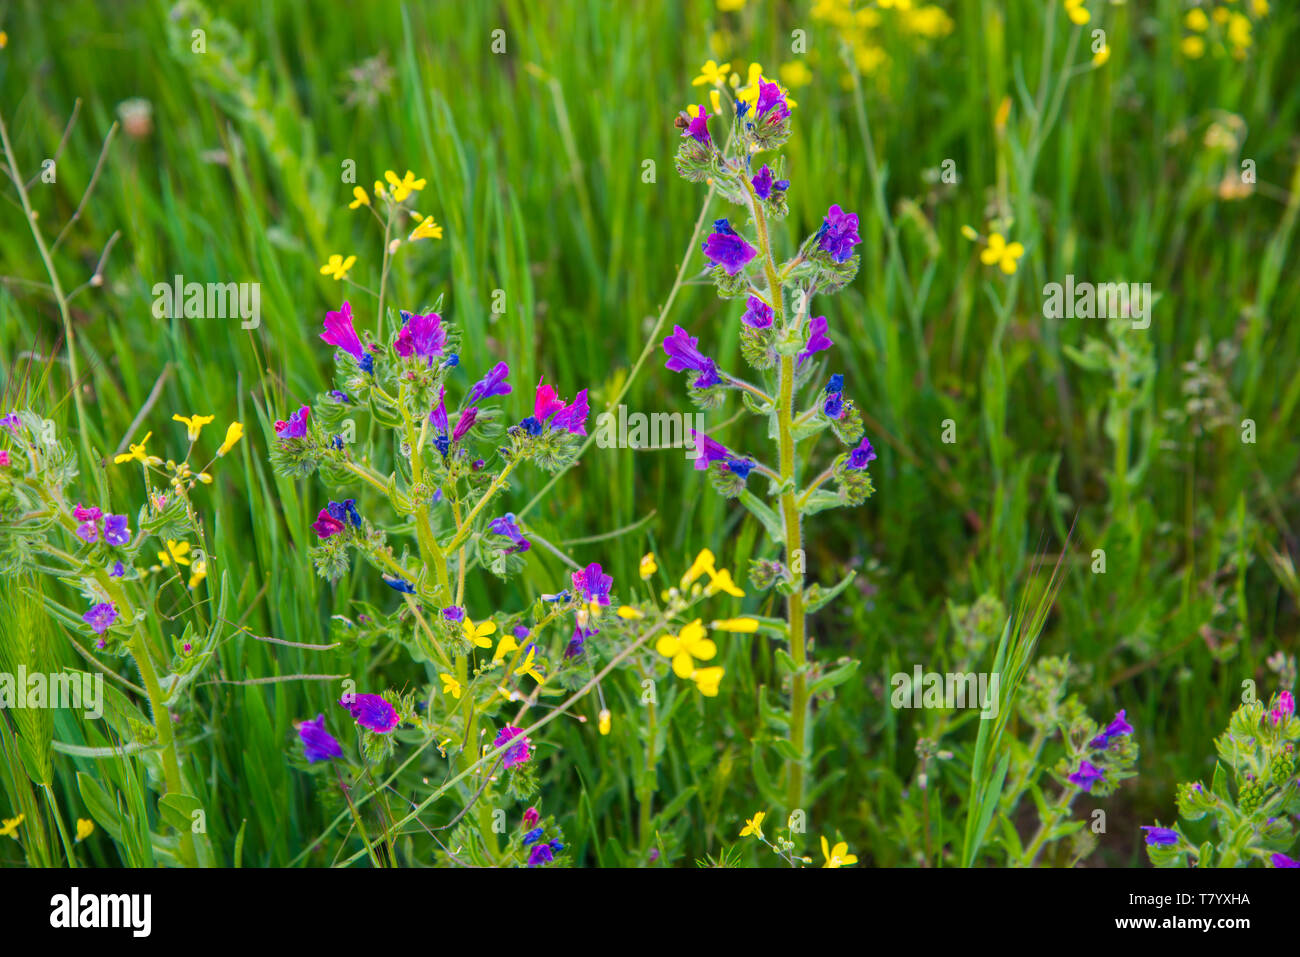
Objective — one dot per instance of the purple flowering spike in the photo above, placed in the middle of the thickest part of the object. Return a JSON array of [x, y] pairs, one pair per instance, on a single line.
[[100, 617], [115, 530], [861, 456], [708, 451], [518, 752], [508, 526], [318, 744], [326, 525], [494, 383], [762, 182], [770, 98], [1117, 728], [683, 355], [546, 403], [839, 234], [1161, 836], [592, 585], [818, 341], [296, 427], [728, 249], [465, 423], [1087, 775], [371, 711], [340, 332], [438, 417], [758, 314], [1281, 860], [573, 417], [422, 336]]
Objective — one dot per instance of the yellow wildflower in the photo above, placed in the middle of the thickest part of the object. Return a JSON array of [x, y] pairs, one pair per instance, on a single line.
[[731, 6], [1101, 56], [362, 198], [754, 825], [1077, 12], [177, 553], [1193, 48], [1002, 253], [721, 581], [194, 424], [648, 566], [627, 611], [740, 626], [838, 856], [427, 229], [795, 74], [478, 634], [403, 187], [969, 233], [604, 721], [450, 685], [707, 680], [234, 432], [528, 667], [4, 39], [711, 74], [198, 572], [506, 645], [85, 828], [685, 647], [1197, 20], [703, 564], [338, 266], [139, 454], [10, 826]]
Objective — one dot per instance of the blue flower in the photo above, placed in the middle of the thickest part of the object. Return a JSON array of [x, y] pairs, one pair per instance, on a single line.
[[400, 584], [318, 744]]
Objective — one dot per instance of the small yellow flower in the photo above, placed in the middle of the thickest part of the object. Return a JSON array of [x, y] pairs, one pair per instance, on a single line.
[[450, 685], [234, 432], [707, 680], [754, 825], [177, 553], [1101, 56], [528, 667], [379, 189], [715, 102], [198, 572], [338, 266], [604, 721], [711, 74], [721, 581], [506, 645], [731, 6], [1077, 12], [1220, 15], [837, 856], [1239, 31], [1197, 20], [1193, 48], [478, 634], [85, 828], [648, 566], [194, 424], [795, 74], [702, 565], [403, 187], [4, 39], [740, 626], [362, 198], [427, 229], [10, 826], [138, 453], [685, 647], [1002, 253], [1260, 7], [627, 611]]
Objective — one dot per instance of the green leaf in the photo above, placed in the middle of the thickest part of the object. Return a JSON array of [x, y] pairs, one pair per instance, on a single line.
[[97, 802], [815, 597], [836, 676], [772, 524], [178, 808]]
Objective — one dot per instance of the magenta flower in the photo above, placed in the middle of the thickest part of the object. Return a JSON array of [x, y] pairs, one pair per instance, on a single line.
[[818, 341], [1087, 775], [540, 856], [5, 460], [296, 427], [371, 711], [339, 332], [422, 336], [861, 456], [464, 423], [100, 617], [839, 234], [518, 752], [573, 417], [546, 403], [727, 248], [83, 514], [115, 530], [683, 356], [326, 524], [531, 817], [770, 98], [438, 417], [494, 383], [1284, 708], [318, 744], [592, 585], [1281, 860], [1117, 728], [698, 126], [758, 314], [709, 451]]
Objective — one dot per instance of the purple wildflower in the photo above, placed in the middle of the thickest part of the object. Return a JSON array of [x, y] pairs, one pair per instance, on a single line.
[[11, 422], [862, 455], [116, 570], [770, 98], [345, 510], [88, 531], [521, 632], [592, 585], [533, 836], [422, 336], [578, 643], [818, 341], [839, 234], [1161, 836], [1117, 728], [454, 613], [762, 182], [100, 616], [340, 332], [508, 526], [494, 383], [541, 855], [546, 403], [464, 423], [728, 249], [339, 396], [833, 407], [371, 711], [531, 817], [5, 460], [115, 530], [518, 751], [573, 417], [399, 584], [326, 525], [1087, 775], [698, 126], [683, 355], [1284, 708], [708, 451], [296, 427], [318, 744], [758, 314], [1281, 860], [438, 417]]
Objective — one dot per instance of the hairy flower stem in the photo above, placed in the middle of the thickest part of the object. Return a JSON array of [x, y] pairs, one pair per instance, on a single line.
[[646, 792], [788, 482]]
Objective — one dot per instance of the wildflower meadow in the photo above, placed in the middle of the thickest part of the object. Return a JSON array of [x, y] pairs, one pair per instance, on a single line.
[[700, 434]]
